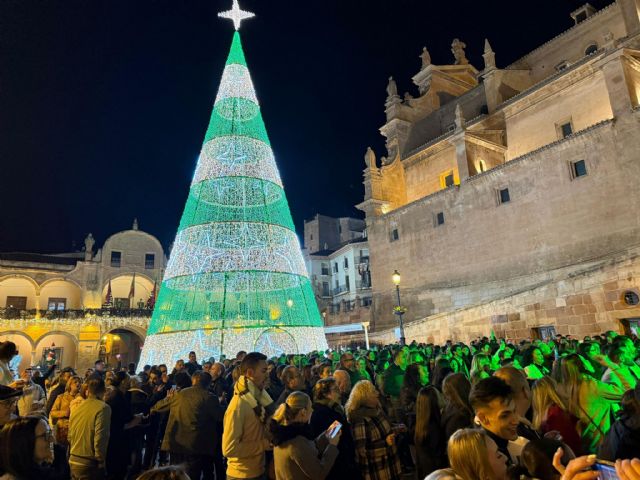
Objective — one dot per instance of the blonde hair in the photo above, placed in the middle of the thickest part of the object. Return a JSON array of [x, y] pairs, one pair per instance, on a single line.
[[468, 455], [360, 391], [293, 405], [75, 378], [544, 394]]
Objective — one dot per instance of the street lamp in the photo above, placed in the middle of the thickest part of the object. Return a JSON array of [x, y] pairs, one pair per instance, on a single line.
[[399, 310]]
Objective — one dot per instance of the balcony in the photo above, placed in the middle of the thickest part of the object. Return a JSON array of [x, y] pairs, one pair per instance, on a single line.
[[14, 314], [340, 290], [360, 285]]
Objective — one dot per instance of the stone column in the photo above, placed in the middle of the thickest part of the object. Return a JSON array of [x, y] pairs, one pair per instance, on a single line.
[[461, 155], [631, 14], [617, 88]]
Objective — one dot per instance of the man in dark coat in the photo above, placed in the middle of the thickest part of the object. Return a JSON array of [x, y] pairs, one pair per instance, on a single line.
[[190, 436], [192, 365]]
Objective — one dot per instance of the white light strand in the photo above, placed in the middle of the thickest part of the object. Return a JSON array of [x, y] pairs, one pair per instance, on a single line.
[[236, 83], [233, 156], [234, 246], [169, 347]]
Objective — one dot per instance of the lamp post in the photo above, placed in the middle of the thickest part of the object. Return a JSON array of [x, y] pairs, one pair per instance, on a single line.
[[399, 310]]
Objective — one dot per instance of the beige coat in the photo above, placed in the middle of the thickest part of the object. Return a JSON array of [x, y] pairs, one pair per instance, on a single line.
[[244, 440]]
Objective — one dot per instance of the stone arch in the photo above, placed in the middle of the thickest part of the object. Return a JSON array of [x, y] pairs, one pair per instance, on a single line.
[[121, 283], [60, 287], [121, 345], [60, 279], [21, 286], [20, 275], [9, 333], [64, 343], [26, 346]]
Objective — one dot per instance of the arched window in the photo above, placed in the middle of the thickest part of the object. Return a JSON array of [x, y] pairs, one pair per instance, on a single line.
[[593, 48]]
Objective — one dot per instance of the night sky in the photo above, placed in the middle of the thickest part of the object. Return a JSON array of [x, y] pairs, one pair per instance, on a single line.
[[104, 104]]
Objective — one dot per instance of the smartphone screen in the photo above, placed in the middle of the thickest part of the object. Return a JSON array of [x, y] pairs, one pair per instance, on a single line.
[[336, 430], [607, 472]]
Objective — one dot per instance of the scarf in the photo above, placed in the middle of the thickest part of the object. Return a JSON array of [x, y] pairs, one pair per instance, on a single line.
[[259, 400], [335, 406], [364, 412]]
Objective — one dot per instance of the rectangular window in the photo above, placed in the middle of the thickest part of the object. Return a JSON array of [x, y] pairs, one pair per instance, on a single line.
[[566, 129], [503, 195], [19, 303], [335, 267], [325, 269], [325, 289], [448, 180], [346, 263], [440, 218], [150, 261], [578, 169], [116, 259], [57, 303], [394, 235], [347, 283]]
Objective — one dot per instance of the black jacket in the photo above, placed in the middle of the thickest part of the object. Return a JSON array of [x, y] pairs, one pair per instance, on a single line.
[[621, 442], [193, 418], [345, 466], [454, 418]]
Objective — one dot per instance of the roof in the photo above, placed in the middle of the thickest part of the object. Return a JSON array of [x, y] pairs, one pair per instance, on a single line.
[[327, 252], [39, 258]]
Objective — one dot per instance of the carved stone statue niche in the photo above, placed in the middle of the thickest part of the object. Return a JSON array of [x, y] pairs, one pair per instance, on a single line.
[[457, 48]]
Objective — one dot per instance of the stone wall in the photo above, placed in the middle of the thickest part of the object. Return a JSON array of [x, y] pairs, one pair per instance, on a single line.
[[488, 250], [583, 300]]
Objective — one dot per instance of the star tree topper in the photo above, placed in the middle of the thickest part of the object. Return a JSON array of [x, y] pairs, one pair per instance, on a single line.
[[236, 15]]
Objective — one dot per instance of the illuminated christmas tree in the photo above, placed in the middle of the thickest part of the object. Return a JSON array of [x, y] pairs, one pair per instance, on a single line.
[[235, 279]]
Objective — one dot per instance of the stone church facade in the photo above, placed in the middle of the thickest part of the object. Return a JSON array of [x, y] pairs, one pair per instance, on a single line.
[[508, 198], [57, 304]]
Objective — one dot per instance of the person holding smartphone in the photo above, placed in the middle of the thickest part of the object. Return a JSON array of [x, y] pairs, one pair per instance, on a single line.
[[297, 454]]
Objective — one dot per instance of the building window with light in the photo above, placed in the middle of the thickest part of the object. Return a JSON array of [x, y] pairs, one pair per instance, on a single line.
[[57, 303]]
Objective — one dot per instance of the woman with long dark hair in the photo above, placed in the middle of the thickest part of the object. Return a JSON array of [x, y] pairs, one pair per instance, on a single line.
[[457, 412], [26, 450], [428, 437]]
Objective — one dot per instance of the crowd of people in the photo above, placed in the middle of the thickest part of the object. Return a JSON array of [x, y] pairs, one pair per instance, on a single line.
[[491, 410]]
